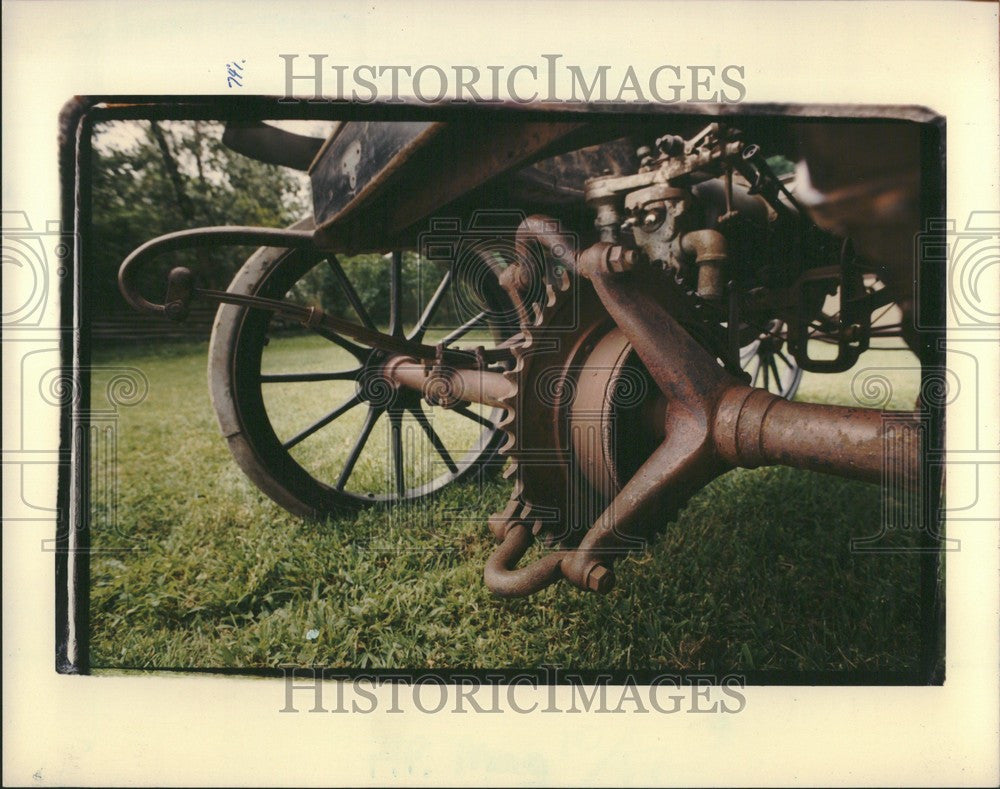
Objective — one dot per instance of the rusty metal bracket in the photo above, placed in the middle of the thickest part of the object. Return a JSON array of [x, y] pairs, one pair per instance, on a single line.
[[713, 422], [269, 144], [853, 330]]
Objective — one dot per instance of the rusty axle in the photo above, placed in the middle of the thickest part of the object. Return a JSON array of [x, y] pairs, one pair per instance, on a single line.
[[447, 386]]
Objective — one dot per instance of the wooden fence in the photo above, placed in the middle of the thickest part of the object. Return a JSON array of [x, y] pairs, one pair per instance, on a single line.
[[135, 327]]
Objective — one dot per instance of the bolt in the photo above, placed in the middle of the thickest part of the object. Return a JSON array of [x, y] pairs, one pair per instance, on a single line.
[[620, 260], [600, 579]]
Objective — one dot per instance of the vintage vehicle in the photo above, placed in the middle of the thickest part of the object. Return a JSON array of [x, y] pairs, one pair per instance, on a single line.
[[645, 290]]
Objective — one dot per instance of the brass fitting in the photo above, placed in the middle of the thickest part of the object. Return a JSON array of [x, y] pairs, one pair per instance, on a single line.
[[710, 256]]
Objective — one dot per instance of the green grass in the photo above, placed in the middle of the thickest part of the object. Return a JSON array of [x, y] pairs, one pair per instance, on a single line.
[[196, 568]]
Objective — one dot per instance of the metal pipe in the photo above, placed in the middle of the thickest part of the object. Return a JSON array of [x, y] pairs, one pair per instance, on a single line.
[[713, 423], [446, 386], [756, 428]]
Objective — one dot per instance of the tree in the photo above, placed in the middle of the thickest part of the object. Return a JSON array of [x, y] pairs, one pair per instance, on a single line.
[[151, 178]]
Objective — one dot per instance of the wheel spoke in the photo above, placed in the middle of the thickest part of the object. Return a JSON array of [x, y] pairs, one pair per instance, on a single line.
[[756, 372], [468, 413], [349, 291], [396, 437], [366, 337], [432, 306], [785, 359], [336, 413], [357, 351], [396, 295], [366, 429], [434, 438], [464, 329], [767, 381], [777, 376], [288, 378]]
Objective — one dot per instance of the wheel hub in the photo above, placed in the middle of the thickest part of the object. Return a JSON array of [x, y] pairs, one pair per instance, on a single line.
[[616, 417], [378, 389]]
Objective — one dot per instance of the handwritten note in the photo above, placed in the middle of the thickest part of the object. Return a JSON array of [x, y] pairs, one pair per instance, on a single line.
[[234, 73]]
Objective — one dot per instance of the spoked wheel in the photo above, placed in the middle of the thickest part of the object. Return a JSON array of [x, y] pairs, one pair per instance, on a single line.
[[769, 364], [311, 419]]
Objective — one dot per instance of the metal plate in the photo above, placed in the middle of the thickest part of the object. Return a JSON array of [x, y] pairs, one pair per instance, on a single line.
[[358, 158]]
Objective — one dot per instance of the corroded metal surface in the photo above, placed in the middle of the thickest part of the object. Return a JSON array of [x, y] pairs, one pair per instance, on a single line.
[[711, 423], [698, 249], [571, 468]]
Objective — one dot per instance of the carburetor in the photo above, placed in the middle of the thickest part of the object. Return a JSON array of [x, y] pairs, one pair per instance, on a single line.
[[709, 209]]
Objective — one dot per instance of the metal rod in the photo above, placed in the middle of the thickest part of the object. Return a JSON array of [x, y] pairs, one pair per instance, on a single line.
[[504, 580], [205, 236], [448, 385]]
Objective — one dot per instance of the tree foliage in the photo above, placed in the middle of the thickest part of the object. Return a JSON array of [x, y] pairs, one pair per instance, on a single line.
[[155, 178], [370, 277]]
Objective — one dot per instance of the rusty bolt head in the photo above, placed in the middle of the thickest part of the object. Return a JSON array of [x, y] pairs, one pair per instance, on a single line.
[[620, 260], [600, 579]]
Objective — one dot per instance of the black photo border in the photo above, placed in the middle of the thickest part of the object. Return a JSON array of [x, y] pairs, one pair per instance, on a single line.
[[72, 554]]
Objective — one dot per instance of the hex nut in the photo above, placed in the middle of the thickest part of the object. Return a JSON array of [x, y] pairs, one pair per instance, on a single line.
[[619, 260], [600, 579]]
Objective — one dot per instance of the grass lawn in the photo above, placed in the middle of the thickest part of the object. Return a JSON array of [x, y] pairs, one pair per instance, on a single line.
[[194, 567]]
